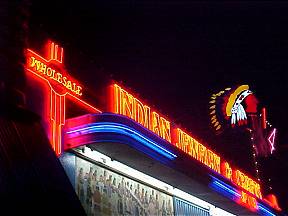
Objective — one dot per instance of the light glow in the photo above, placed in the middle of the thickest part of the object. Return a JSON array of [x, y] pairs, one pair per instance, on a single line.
[[126, 104], [238, 196], [55, 53], [226, 188], [245, 182], [57, 117], [265, 210], [41, 67], [227, 171], [271, 140], [271, 199], [83, 103], [52, 71], [123, 129], [198, 151], [248, 201], [264, 118], [233, 98]]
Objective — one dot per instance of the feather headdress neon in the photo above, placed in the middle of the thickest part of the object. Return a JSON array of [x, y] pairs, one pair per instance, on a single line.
[[229, 106]]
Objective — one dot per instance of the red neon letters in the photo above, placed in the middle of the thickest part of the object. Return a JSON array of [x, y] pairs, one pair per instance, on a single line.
[[248, 201], [196, 150], [245, 182], [126, 104]]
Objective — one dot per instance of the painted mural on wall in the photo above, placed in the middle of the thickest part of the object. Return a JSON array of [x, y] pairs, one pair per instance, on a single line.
[[103, 192]]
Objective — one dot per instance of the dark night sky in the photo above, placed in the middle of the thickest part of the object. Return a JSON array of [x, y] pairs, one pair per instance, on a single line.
[[175, 54]]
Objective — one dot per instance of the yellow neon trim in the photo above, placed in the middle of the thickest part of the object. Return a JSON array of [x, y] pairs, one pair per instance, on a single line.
[[213, 117]]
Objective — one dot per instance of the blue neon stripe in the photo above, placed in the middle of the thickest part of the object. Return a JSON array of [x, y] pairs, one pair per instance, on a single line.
[[218, 184], [122, 129], [265, 210], [221, 187], [226, 188]]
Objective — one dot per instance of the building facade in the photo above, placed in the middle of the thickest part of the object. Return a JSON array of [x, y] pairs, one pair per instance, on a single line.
[[127, 158]]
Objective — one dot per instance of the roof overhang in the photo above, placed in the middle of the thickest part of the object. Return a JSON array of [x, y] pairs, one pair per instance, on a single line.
[[126, 141]]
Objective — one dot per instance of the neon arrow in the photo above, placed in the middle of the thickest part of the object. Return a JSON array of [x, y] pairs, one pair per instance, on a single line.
[[271, 139]]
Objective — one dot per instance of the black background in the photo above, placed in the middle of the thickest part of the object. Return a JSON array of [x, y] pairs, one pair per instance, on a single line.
[[175, 54]]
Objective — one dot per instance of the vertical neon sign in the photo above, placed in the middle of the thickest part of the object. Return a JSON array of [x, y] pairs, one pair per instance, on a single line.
[[51, 69], [57, 104], [57, 114]]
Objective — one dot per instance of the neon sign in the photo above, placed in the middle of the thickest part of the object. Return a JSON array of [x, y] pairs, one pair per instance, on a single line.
[[248, 201], [198, 151], [52, 71], [240, 197], [251, 188], [126, 104], [230, 107], [41, 68], [271, 140], [243, 181], [264, 118]]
